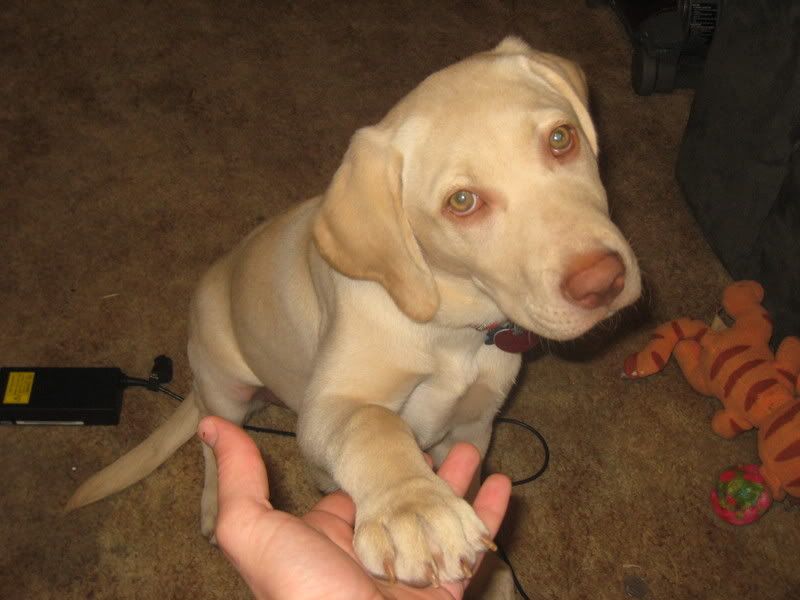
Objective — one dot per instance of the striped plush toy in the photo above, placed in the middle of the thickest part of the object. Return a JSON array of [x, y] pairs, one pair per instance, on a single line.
[[756, 387]]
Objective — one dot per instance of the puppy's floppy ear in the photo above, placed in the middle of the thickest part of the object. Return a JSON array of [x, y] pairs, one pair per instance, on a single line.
[[565, 76], [362, 231]]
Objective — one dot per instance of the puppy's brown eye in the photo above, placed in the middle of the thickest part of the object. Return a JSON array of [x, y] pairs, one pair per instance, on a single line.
[[463, 203], [561, 140]]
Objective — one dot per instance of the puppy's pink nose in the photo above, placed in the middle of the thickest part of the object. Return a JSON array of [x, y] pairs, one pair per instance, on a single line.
[[594, 279]]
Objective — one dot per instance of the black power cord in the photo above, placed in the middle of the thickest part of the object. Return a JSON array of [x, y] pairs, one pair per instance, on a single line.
[[545, 462], [161, 373], [545, 448]]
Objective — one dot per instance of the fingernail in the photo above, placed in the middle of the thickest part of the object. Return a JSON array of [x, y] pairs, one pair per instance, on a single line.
[[207, 432]]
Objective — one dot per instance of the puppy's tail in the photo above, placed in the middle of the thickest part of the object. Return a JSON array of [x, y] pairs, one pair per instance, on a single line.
[[143, 459]]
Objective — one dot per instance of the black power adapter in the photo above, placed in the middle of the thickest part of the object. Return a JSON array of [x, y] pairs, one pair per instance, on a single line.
[[61, 396], [70, 396]]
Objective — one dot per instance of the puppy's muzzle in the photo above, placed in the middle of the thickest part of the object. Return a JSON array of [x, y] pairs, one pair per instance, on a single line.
[[593, 279]]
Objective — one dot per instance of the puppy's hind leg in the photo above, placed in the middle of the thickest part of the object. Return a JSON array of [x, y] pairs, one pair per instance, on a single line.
[[208, 502]]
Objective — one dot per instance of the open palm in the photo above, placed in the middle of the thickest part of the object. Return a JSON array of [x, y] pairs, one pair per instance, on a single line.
[[283, 556]]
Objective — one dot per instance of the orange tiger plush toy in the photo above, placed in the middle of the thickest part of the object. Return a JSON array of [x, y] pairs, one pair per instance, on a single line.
[[756, 387]]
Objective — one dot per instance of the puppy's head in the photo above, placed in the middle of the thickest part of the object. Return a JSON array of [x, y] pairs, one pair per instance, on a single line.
[[477, 198]]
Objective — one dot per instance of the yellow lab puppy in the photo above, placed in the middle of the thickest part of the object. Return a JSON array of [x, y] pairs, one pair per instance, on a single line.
[[476, 200]]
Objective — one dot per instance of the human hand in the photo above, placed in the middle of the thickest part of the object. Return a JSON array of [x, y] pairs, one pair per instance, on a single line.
[[281, 556]]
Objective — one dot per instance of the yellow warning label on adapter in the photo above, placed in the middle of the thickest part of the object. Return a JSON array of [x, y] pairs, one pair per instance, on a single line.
[[18, 388]]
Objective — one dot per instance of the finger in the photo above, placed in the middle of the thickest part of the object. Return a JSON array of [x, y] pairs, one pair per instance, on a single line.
[[241, 473], [491, 502], [340, 505], [334, 517], [459, 467]]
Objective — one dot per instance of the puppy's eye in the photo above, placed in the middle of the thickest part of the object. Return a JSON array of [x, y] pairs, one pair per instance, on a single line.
[[463, 203], [561, 140]]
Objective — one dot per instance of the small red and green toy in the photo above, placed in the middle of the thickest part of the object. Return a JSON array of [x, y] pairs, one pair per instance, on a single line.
[[741, 495]]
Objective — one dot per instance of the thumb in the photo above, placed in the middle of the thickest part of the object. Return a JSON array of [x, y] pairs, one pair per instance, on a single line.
[[241, 473]]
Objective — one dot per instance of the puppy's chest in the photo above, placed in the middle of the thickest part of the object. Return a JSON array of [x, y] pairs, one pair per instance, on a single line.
[[433, 406]]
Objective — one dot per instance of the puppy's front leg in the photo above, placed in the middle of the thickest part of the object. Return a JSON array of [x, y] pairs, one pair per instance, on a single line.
[[409, 523]]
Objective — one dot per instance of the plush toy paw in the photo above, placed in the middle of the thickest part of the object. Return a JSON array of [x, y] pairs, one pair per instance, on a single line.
[[741, 495], [639, 365]]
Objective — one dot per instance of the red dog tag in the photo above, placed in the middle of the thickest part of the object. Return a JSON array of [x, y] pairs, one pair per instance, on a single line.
[[515, 339]]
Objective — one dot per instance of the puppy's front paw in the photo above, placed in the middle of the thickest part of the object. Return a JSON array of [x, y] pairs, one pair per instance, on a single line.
[[420, 533]]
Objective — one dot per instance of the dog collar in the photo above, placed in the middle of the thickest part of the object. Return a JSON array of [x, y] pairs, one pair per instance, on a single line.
[[509, 337]]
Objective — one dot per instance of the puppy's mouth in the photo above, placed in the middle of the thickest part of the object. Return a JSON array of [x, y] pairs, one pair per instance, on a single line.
[[563, 307], [556, 318], [560, 323], [562, 326]]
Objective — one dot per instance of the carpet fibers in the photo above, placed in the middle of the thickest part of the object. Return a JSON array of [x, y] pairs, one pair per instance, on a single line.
[[140, 140]]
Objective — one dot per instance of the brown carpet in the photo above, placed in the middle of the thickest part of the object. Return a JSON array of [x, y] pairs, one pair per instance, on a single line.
[[139, 140]]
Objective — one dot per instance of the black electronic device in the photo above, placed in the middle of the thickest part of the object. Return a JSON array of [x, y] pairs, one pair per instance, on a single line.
[[61, 396], [670, 40]]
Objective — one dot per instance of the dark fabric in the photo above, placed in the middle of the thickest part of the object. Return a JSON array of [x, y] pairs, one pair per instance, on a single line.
[[739, 163]]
